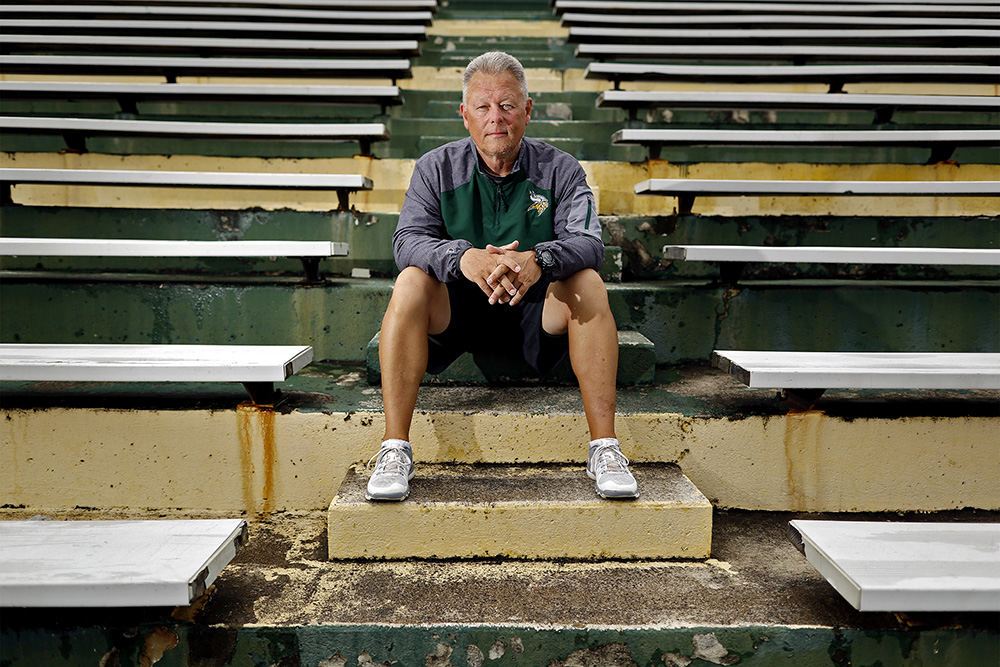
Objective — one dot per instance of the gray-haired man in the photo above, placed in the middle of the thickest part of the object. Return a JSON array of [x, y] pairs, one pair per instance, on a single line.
[[498, 244]]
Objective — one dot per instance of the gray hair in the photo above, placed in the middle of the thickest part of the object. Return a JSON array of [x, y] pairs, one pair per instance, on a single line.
[[495, 62]]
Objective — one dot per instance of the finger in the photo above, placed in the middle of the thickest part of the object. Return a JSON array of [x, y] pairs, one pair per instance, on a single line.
[[499, 294], [510, 263], [492, 249], [507, 285], [496, 275]]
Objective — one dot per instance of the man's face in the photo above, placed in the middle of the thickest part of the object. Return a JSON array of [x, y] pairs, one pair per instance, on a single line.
[[496, 113]]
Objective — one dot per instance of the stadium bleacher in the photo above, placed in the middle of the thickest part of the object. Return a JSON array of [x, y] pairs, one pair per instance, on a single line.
[[822, 210]]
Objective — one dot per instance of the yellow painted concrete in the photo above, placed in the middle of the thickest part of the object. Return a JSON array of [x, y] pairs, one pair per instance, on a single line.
[[596, 529], [241, 460], [613, 183], [492, 28]]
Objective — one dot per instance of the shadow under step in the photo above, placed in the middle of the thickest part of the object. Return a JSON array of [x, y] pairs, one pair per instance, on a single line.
[[523, 512]]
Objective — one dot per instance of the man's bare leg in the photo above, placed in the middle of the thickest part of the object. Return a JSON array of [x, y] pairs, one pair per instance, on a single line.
[[418, 306], [578, 306]]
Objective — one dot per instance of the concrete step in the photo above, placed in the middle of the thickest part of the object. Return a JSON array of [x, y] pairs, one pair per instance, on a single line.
[[636, 365], [529, 512]]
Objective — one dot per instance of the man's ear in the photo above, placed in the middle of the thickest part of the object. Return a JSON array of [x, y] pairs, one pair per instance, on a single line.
[[461, 110], [527, 109]]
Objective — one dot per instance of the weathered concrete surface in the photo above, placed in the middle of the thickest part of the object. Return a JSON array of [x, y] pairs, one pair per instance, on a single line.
[[280, 601], [129, 445], [533, 512]]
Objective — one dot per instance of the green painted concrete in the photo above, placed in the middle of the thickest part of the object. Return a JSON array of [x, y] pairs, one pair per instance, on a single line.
[[473, 646], [685, 320]]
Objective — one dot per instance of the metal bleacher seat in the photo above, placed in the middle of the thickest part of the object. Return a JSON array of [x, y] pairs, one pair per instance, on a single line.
[[76, 130], [219, 11]]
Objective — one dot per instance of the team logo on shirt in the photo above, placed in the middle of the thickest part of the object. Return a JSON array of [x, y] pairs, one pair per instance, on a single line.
[[539, 203]]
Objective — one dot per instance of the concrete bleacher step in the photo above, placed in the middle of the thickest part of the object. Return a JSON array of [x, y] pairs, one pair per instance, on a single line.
[[636, 365], [524, 512]]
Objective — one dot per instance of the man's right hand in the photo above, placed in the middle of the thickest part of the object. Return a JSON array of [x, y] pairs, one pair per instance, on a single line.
[[489, 270]]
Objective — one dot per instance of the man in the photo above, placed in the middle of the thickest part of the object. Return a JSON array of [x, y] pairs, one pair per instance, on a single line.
[[498, 244]]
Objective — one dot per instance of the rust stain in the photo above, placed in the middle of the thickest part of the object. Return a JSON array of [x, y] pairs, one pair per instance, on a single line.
[[257, 420], [801, 457], [157, 643]]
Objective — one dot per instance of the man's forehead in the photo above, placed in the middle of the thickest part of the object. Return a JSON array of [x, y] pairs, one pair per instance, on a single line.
[[504, 83]]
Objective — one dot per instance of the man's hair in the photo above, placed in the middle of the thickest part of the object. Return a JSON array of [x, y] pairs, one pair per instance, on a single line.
[[495, 62]]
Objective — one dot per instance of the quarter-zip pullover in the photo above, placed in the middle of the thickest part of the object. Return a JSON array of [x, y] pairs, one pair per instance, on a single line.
[[452, 205]]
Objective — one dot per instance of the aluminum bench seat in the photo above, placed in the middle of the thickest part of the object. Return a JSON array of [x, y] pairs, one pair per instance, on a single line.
[[883, 105], [342, 184], [940, 36], [813, 372], [834, 255], [906, 566], [18, 43], [687, 189], [791, 53], [982, 9], [315, 30], [128, 95], [172, 67], [833, 75], [75, 130], [367, 5], [646, 20], [211, 12], [309, 252], [941, 142], [90, 564], [257, 367]]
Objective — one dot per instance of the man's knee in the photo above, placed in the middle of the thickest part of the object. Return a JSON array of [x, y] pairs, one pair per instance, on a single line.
[[581, 297], [418, 295]]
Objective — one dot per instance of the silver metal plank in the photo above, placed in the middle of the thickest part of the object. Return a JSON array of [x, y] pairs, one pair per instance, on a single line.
[[792, 73], [113, 563], [151, 363], [772, 52], [150, 43], [66, 247], [802, 20], [319, 131], [834, 255], [861, 370], [648, 36], [200, 179], [175, 66], [861, 101], [888, 9], [907, 567], [809, 137], [421, 17], [163, 27], [371, 5], [740, 187]]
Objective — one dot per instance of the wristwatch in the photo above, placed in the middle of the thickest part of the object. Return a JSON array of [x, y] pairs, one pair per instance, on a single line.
[[546, 262]]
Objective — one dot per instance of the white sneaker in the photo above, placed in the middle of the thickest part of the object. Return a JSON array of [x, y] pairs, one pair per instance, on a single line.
[[609, 467], [392, 472]]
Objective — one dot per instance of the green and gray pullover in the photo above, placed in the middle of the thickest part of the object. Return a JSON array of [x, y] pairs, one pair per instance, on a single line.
[[453, 205]]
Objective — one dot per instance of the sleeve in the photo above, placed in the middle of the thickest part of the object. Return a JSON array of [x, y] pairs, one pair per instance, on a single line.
[[578, 244], [420, 238]]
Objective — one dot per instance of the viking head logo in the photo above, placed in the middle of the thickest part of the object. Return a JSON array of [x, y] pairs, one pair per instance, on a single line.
[[539, 203]]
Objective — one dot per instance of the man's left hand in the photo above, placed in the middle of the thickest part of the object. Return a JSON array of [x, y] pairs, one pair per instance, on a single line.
[[519, 267]]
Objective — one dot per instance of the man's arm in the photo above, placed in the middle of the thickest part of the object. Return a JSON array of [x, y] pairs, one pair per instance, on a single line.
[[420, 239], [578, 244]]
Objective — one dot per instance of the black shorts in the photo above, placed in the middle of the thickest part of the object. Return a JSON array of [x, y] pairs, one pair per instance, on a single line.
[[497, 332]]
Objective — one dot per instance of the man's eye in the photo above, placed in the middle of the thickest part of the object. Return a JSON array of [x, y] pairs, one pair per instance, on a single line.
[[507, 107]]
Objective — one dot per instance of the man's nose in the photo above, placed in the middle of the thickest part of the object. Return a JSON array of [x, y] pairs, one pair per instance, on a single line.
[[495, 115]]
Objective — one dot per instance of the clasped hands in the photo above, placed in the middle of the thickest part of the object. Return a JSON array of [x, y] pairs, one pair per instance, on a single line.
[[501, 272]]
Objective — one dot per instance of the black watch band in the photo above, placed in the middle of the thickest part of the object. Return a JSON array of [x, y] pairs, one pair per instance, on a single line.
[[546, 262]]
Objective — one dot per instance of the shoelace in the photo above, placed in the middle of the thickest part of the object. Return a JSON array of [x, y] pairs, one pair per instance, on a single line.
[[390, 460], [608, 458]]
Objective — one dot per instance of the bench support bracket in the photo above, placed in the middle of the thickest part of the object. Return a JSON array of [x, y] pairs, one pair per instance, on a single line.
[[262, 393], [801, 399]]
